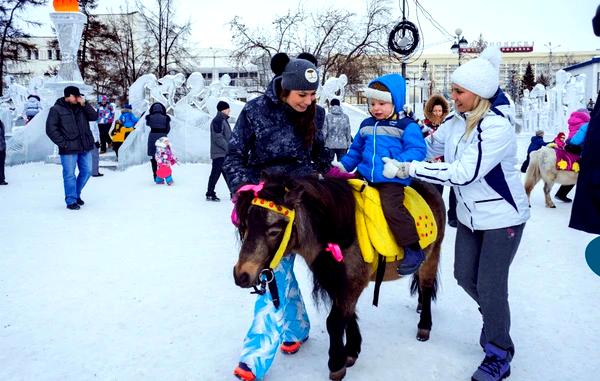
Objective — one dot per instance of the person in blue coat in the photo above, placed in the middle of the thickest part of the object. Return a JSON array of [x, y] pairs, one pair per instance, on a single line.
[[389, 133], [537, 142], [278, 132]]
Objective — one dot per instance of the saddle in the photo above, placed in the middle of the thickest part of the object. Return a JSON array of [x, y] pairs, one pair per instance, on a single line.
[[374, 235], [566, 161]]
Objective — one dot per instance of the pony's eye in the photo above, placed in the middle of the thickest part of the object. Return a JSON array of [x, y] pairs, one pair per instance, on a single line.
[[274, 231]]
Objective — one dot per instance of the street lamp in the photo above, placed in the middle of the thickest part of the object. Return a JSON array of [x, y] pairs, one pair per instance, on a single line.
[[460, 42]]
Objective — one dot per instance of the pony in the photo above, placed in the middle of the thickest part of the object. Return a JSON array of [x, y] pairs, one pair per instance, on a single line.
[[542, 166], [324, 212]]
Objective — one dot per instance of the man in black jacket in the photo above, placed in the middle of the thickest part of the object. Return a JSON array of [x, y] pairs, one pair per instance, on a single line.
[[220, 132], [68, 127]]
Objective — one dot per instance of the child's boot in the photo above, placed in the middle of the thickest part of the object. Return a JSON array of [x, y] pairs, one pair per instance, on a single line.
[[413, 257], [495, 365], [169, 180], [159, 180]]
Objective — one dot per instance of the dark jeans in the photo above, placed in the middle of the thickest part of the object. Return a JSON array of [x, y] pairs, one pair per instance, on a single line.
[[215, 173], [104, 137], [116, 146], [154, 167], [401, 223], [2, 160], [339, 152], [481, 262]]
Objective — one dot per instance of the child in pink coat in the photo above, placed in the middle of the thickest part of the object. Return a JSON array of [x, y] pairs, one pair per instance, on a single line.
[[164, 159]]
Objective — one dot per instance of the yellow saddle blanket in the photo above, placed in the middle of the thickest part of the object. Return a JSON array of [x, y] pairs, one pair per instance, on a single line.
[[374, 234]]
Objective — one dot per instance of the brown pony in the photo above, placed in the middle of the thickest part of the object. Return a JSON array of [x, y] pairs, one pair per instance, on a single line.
[[324, 213]]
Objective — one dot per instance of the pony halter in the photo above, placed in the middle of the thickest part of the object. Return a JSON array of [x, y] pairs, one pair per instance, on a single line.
[[279, 209]]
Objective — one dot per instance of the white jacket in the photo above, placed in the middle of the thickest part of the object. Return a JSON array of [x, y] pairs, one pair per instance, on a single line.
[[480, 167]]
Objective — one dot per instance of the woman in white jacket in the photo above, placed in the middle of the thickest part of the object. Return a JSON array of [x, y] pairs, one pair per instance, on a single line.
[[478, 143]]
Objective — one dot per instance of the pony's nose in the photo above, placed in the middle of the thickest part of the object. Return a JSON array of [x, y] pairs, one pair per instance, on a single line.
[[241, 280]]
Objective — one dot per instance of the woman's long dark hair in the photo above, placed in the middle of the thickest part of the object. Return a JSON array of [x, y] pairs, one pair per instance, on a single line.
[[304, 122]]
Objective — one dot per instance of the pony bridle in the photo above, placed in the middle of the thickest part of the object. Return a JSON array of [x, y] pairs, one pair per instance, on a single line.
[[266, 277]]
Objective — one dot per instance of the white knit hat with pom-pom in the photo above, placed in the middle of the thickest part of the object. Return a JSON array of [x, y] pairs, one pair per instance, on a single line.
[[480, 75]]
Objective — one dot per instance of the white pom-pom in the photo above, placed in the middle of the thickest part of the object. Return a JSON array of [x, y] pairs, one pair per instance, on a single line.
[[493, 55]]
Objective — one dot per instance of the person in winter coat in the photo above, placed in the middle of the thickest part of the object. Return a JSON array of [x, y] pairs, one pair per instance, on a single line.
[[69, 128], [106, 116], [436, 110], [278, 132], [391, 134], [160, 125], [559, 141], [2, 154], [220, 133], [32, 106], [127, 118], [576, 120], [95, 154], [478, 143], [337, 130], [123, 127], [585, 213], [165, 159], [537, 142]]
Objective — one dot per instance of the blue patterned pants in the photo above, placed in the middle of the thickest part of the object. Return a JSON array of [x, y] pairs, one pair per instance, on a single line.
[[273, 326]]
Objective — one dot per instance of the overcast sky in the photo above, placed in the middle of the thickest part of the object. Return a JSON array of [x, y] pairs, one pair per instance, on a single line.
[[564, 24]]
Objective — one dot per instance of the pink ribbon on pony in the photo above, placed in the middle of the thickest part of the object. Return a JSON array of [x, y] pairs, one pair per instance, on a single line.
[[235, 220], [252, 187], [335, 251]]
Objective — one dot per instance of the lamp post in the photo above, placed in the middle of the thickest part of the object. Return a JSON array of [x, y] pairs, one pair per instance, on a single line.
[[460, 42]]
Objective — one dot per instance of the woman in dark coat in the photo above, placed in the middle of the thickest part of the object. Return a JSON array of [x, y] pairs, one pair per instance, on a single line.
[[160, 125], [278, 132], [585, 214]]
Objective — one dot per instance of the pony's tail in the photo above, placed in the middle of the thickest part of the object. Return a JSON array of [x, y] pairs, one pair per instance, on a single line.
[[533, 174], [414, 286]]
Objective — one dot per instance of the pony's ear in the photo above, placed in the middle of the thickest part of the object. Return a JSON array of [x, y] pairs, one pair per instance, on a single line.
[[294, 193]]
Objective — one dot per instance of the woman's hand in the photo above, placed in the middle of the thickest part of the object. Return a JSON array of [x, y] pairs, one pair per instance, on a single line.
[[394, 168]]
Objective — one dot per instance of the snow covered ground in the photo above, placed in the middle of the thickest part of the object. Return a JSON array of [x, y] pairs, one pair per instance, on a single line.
[[137, 285]]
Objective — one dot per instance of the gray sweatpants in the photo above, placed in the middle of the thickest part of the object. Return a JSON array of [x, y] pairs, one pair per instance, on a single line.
[[95, 161], [481, 263]]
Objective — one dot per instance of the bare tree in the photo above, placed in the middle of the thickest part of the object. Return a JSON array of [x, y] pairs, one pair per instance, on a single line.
[[341, 43], [12, 38], [167, 37], [132, 55]]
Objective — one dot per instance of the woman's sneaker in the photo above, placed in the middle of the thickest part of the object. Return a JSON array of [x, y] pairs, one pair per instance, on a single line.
[[495, 365], [243, 372], [291, 347]]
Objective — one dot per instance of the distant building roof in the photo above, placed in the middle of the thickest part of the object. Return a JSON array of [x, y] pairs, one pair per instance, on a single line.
[[582, 64]]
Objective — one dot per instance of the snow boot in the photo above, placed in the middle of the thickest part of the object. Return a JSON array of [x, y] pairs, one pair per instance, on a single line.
[[291, 347], [243, 372], [169, 180], [413, 258], [73, 206], [159, 181], [212, 198], [80, 202], [495, 365]]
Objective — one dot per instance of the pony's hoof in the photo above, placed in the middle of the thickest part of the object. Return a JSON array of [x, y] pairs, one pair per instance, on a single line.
[[423, 334], [338, 374], [419, 308], [350, 361]]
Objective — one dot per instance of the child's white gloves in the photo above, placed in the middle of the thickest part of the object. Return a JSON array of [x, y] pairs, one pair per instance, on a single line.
[[394, 168], [339, 166]]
